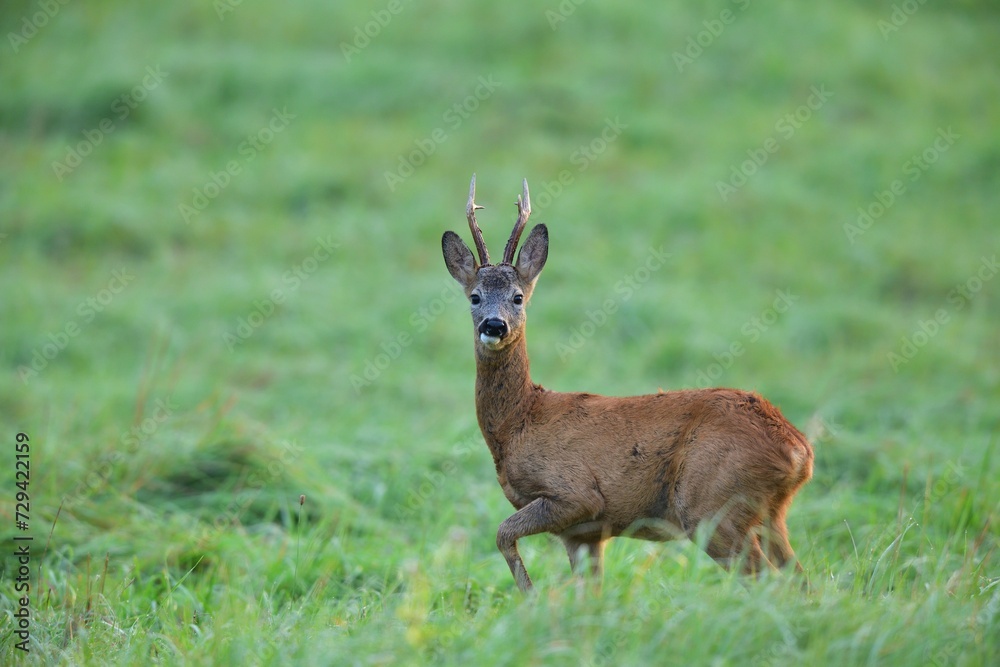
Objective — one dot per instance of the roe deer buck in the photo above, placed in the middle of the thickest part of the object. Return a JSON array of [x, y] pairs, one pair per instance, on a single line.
[[588, 467]]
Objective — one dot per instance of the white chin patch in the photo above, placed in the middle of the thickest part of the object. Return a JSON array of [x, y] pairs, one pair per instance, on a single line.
[[489, 341]]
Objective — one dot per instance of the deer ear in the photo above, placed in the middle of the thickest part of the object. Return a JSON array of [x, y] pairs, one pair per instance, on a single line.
[[458, 258], [533, 254]]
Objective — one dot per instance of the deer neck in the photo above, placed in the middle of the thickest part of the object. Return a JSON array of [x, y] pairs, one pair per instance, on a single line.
[[503, 395]]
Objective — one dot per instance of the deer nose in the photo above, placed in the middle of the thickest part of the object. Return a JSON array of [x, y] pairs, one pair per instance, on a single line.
[[493, 327]]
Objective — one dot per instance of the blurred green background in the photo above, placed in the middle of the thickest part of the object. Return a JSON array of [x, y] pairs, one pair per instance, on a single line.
[[220, 234]]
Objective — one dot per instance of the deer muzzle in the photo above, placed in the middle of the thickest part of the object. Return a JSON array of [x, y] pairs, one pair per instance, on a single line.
[[492, 331]]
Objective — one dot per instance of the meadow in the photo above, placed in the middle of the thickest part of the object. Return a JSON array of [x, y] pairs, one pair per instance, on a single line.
[[245, 378]]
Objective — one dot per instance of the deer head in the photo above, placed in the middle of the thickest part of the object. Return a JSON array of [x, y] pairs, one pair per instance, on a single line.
[[500, 292]]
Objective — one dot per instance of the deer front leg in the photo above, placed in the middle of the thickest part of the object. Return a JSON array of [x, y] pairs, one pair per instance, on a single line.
[[541, 515]]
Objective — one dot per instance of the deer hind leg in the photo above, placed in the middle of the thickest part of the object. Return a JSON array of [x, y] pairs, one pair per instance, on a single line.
[[541, 515], [735, 540], [779, 550]]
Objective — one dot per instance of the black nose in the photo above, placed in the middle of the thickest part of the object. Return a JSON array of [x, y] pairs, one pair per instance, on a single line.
[[493, 328]]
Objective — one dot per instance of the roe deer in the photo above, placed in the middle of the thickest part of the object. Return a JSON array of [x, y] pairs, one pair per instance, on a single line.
[[588, 467]]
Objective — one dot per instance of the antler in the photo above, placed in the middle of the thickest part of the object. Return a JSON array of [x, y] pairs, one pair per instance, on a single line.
[[523, 211], [477, 234]]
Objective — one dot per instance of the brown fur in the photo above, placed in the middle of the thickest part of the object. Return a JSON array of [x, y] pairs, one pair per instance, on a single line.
[[588, 467]]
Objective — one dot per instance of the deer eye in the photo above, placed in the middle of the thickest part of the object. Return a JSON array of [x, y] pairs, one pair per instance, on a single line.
[[474, 299], [519, 299]]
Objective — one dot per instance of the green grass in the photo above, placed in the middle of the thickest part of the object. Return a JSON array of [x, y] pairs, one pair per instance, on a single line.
[[187, 407]]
